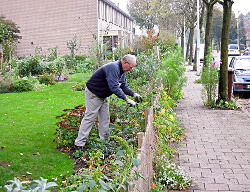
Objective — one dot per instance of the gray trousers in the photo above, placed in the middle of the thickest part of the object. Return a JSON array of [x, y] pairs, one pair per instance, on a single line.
[[94, 106]]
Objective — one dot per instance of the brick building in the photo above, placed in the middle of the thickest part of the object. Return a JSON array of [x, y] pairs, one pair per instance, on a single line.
[[52, 23]]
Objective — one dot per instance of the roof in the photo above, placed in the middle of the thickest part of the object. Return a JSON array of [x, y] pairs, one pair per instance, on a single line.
[[110, 3]]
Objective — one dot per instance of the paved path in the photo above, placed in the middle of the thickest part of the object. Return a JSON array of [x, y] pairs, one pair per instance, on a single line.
[[216, 153]]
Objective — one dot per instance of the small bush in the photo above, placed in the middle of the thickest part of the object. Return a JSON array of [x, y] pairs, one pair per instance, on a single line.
[[79, 87], [5, 85], [29, 66], [68, 128], [80, 57], [22, 85], [47, 79]]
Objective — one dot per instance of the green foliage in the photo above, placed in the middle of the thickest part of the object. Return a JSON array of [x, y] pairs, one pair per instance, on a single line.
[[8, 29], [167, 126], [168, 130], [209, 80], [225, 105], [29, 66], [114, 176], [40, 186], [22, 85], [172, 73], [79, 87], [68, 128], [170, 176], [46, 78]]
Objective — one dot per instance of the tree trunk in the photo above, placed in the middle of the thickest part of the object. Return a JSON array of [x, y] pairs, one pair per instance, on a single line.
[[208, 34], [188, 47], [182, 40], [191, 38], [223, 80]]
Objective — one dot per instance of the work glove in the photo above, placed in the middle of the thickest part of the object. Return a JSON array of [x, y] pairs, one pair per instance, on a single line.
[[137, 97], [131, 102]]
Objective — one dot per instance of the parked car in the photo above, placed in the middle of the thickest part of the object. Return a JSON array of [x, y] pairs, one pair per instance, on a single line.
[[241, 79], [247, 51], [233, 50]]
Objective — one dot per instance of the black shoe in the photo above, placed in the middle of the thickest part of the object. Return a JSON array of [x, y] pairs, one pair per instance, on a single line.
[[81, 148]]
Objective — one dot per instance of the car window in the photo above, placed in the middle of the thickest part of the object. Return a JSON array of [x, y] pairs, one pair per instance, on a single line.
[[242, 64], [233, 47]]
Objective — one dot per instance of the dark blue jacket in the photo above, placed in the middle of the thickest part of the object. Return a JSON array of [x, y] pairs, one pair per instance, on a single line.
[[108, 79]]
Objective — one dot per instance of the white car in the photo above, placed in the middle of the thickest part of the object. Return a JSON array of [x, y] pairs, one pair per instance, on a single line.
[[233, 50]]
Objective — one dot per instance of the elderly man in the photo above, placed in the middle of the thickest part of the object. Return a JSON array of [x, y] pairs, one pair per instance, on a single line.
[[107, 80]]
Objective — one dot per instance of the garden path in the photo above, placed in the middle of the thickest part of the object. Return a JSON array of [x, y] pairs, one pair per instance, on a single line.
[[216, 152]]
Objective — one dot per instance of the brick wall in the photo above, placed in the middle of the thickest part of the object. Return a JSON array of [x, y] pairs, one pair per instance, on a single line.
[[49, 24]]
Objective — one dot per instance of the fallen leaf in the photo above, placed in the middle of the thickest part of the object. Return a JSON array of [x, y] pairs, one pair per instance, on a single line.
[[37, 153]]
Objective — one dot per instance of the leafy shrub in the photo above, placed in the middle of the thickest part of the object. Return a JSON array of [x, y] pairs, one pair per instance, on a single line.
[[5, 85], [80, 57], [79, 87], [114, 176], [40, 186], [68, 128], [172, 73], [168, 130], [209, 80], [47, 79], [22, 85], [29, 66]]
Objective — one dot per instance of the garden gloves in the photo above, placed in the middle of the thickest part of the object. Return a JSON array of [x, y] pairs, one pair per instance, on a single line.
[[131, 102], [137, 97]]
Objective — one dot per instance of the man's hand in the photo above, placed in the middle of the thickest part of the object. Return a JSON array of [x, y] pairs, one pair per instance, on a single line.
[[137, 97], [131, 102]]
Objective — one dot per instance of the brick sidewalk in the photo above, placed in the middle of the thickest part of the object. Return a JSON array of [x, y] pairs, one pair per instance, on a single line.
[[216, 153]]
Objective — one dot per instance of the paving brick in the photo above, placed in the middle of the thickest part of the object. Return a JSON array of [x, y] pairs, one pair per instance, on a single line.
[[217, 148], [216, 186]]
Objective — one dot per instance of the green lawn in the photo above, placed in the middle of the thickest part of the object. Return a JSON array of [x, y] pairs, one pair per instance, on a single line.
[[27, 127]]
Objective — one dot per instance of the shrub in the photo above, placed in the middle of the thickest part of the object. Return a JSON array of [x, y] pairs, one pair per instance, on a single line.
[[80, 57], [172, 73], [68, 128], [5, 85], [209, 80], [29, 66], [79, 87], [47, 79], [22, 85]]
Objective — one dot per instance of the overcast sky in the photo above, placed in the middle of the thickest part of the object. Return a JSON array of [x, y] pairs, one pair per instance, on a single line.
[[239, 5]]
